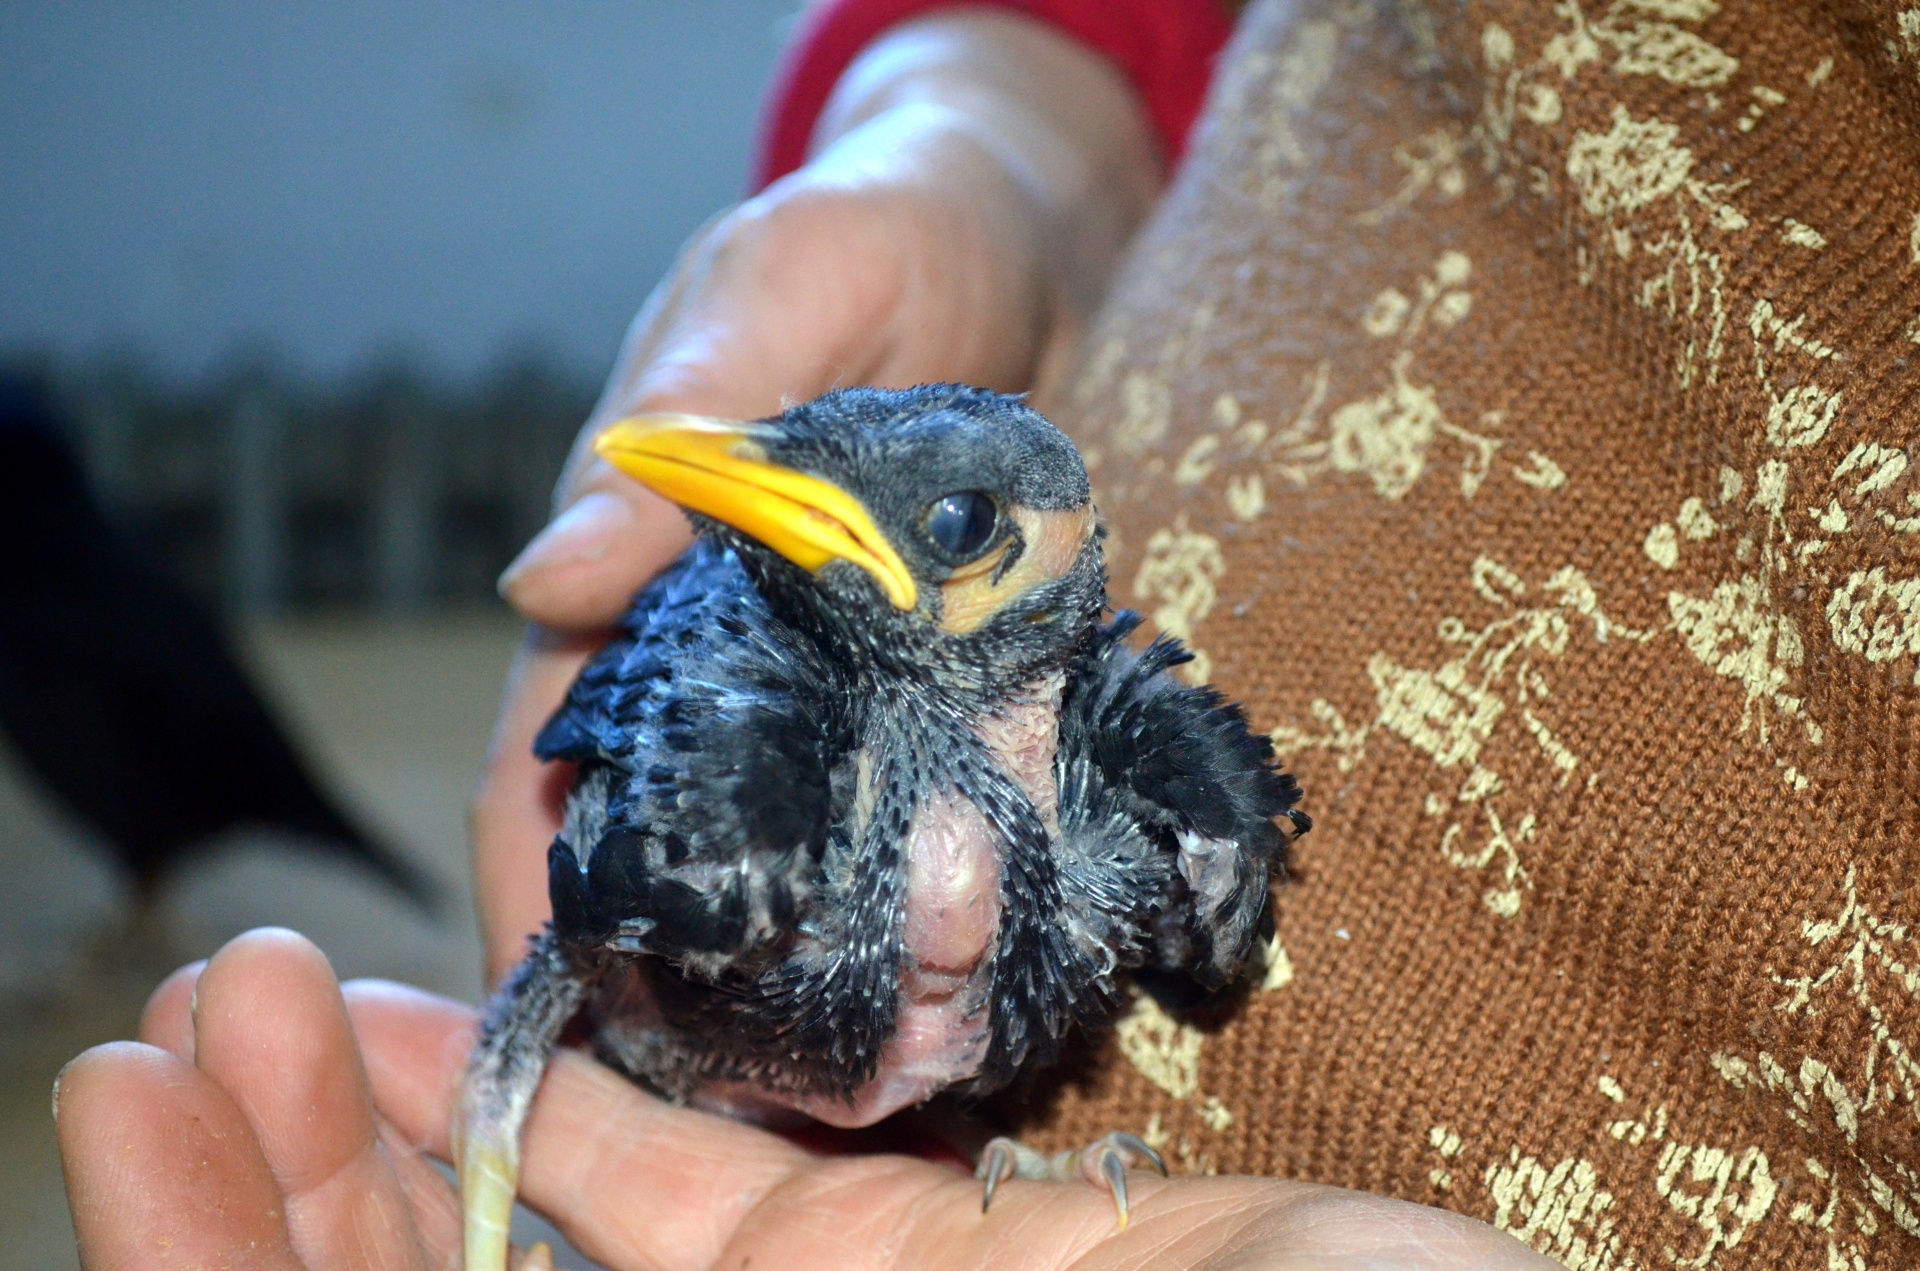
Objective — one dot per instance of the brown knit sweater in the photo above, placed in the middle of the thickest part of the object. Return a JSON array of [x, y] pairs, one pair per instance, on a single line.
[[1519, 407]]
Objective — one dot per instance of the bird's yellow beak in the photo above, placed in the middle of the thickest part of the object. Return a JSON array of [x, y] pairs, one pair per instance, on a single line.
[[719, 468]]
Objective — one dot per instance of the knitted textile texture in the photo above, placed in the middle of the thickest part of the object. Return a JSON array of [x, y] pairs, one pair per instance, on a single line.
[[1518, 407]]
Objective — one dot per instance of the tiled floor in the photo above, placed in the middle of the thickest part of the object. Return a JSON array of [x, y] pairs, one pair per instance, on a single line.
[[396, 717]]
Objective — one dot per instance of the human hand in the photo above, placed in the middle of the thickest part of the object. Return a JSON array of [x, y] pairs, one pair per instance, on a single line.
[[976, 177], [267, 1121]]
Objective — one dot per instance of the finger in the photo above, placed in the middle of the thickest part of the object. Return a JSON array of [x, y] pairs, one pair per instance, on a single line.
[[610, 534], [633, 1181], [162, 1169], [578, 573], [581, 570], [892, 1211], [516, 811], [433, 1201], [271, 1029], [619, 1171], [167, 1021], [780, 300]]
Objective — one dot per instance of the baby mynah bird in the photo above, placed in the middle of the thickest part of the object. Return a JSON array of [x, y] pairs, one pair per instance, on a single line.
[[869, 804]]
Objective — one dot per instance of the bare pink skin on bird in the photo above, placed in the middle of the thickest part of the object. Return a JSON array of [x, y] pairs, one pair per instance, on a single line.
[[952, 918]]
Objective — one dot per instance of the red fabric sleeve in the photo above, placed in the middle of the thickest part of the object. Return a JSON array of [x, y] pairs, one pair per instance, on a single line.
[[1165, 48]]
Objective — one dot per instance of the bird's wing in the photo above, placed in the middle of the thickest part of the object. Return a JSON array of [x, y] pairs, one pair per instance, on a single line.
[[1196, 779], [705, 735]]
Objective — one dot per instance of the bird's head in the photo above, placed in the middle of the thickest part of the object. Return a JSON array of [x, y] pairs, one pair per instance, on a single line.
[[938, 530]]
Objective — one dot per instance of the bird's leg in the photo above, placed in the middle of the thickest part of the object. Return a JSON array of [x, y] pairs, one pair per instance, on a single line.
[[516, 1037], [1103, 1163]]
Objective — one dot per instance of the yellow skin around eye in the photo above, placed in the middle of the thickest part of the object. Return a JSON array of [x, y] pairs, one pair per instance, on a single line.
[[1054, 541]]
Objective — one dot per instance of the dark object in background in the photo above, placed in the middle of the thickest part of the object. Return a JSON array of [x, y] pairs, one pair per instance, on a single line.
[[118, 690]]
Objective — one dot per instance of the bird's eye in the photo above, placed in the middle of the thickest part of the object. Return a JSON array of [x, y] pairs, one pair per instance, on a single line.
[[961, 524]]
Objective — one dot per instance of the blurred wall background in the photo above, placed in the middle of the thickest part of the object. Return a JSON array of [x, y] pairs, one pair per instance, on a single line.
[[329, 285], [326, 290]]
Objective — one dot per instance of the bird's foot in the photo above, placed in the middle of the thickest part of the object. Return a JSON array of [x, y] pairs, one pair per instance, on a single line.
[[517, 1036], [1103, 1163]]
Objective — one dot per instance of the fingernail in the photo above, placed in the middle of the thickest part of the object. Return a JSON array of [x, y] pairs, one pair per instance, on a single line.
[[582, 534], [57, 1079]]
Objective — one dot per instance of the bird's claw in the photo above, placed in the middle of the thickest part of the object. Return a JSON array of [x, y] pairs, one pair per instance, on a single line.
[[1103, 1163], [1006, 1158]]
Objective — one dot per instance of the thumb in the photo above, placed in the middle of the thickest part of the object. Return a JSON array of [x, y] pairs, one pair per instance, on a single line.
[[612, 535], [580, 572], [735, 331]]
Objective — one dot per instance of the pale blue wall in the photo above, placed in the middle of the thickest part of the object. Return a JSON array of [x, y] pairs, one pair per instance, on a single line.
[[349, 178]]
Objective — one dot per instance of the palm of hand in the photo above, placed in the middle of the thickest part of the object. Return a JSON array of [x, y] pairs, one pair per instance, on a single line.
[[267, 1121]]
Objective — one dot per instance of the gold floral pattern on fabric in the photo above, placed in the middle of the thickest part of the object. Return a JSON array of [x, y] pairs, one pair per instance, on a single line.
[[1563, 1207], [1518, 404], [1181, 571], [1714, 1195], [1498, 679], [1868, 968], [1384, 437], [1166, 1051]]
